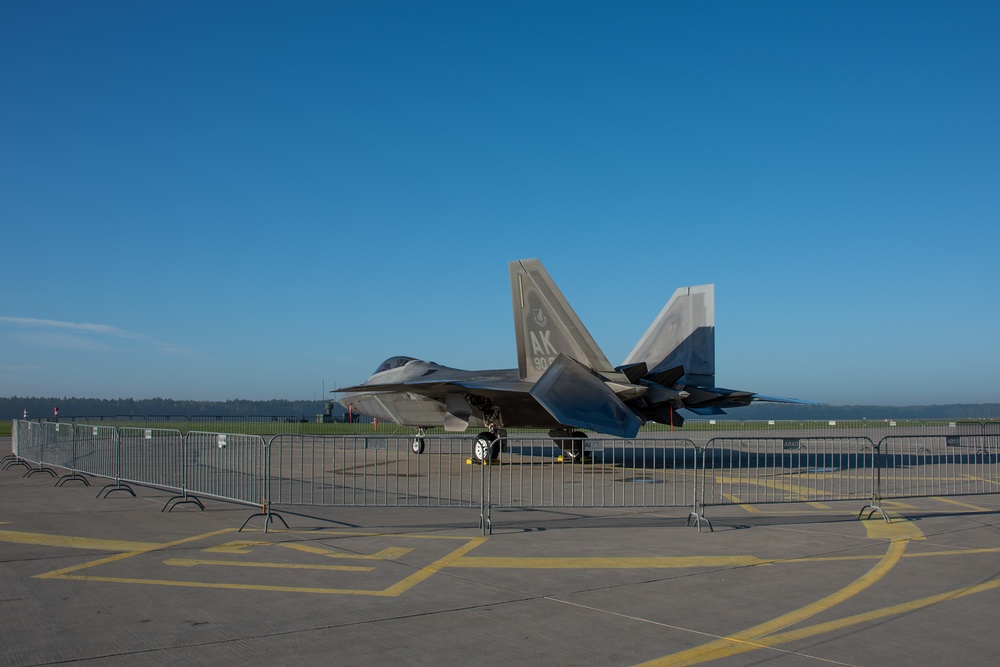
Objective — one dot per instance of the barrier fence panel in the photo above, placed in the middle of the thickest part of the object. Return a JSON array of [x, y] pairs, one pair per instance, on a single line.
[[370, 471], [227, 466], [96, 450], [29, 441], [57, 446], [610, 473], [788, 469], [151, 457], [938, 465]]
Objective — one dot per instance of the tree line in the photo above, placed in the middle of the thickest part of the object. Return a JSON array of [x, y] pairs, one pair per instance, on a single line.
[[41, 407]]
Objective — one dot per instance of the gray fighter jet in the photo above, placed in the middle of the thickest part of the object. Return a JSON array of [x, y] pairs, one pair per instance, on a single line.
[[563, 382]]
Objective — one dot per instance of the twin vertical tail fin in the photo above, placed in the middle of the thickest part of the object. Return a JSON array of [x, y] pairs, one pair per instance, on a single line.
[[559, 356], [681, 337], [545, 324], [575, 383]]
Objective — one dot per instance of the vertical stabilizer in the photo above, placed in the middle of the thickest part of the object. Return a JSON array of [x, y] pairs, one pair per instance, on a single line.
[[545, 325], [683, 334]]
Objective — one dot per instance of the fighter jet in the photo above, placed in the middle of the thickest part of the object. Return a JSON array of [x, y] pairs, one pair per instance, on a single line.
[[563, 382]]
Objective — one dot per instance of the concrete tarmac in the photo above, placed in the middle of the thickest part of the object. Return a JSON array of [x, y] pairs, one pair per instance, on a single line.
[[117, 581]]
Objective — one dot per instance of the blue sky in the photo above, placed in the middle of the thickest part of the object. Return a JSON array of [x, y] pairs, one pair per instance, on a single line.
[[217, 200]]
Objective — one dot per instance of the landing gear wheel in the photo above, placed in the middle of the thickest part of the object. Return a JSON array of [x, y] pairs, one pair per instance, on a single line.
[[485, 448], [573, 448], [417, 446]]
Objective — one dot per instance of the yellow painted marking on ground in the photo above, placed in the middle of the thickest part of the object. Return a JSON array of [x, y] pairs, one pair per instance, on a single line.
[[389, 553], [191, 562], [748, 640], [895, 504], [977, 478], [236, 547], [63, 573], [875, 615], [736, 501], [241, 546], [820, 506], [73, 542], [961, 504], [794, 490], [434, 567], [231, 586], [900, 528], [651, 562]]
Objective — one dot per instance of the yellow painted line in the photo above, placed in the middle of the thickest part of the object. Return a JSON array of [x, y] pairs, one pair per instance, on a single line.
[[819, 506], [900, 528], [875, 615], [62, 574], [895, 504], [230, 586], [74, 542], [434, 567], [739, 503], [389, 553], [749, 639], [791, 488], [961, 504], [652, 562], [241, 547], [236, 547], [977, 478], [191, 562]]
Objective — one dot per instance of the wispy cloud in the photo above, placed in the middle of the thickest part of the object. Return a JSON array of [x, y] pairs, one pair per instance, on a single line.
[[56, 333]]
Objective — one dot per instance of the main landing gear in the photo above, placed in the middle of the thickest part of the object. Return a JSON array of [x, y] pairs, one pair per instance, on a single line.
[[570, 442], [486, 447]]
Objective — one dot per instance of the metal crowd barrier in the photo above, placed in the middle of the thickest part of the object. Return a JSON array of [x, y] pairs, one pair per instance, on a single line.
[[703, 470], [366, 471]]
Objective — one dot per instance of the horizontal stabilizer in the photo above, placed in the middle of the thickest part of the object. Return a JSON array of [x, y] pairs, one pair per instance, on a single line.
[[634, 372], [576, 397], [707, 412], [667, 378]]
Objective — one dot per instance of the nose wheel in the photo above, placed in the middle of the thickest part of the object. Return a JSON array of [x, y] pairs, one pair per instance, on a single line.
[[418, 443]]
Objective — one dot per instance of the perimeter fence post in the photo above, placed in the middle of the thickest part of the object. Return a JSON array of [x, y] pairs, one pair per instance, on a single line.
[[875, 505]]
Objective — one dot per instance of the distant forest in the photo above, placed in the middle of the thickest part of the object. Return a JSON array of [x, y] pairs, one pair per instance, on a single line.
[[14, 407]]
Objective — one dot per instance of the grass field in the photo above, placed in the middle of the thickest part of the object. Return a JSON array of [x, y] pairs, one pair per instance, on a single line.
[[274, 426]]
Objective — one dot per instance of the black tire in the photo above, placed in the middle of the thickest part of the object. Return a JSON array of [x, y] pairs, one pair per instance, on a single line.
[[417, 446], [486, 447]]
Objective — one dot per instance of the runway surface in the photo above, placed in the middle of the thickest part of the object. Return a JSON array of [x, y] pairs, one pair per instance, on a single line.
[[116, 581]]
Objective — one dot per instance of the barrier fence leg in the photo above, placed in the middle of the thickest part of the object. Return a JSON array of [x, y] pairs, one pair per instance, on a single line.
[[118, 485], [875, 505], [697, 515], [485, 498], [183, 499], [267, 514]]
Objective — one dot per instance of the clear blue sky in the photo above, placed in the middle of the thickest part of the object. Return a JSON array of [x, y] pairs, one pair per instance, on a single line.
[[216, 200]]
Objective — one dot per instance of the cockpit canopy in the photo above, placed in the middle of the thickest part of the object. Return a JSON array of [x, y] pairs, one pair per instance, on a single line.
[[393, 362]]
